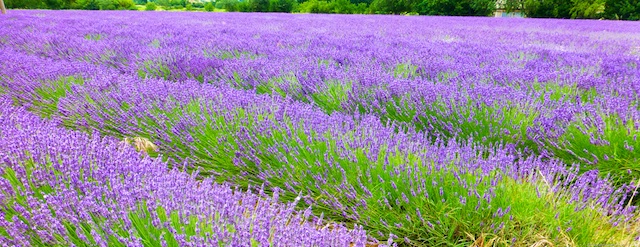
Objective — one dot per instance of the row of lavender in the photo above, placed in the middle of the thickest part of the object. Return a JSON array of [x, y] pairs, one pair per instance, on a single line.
[[359, 172], [61, 187], [418, 184], [566, 90]]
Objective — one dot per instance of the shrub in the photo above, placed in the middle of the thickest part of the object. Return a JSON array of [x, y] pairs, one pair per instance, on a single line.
[[124, 4], [209, 7], [150, 6]]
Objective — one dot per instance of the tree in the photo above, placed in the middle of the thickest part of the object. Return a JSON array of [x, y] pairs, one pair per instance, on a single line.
[[209, 7], [124, 4], [54, 4], [548, 8], [315, 6], [150, 6], [106, 5], [393, 6], [622, 9], [457, 8], [512, 5], [587, 8], [281, 5], [3, 9], [25, 4], [163, 3], [229, 5], [177, 3], [258, 5]]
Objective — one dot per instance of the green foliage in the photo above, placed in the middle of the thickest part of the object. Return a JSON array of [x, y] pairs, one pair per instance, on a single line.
[[106, 5], [281, 5], [332, 7], [177, 3], [393, 6], [150, 6], [25, 4], [164, 3], [405, 70], [512, 5], [614, 150], [228, 5], [54, 4], [587, 8], [209, 7], [74, 4], [258, 5], [548, 8], [610, 9], [622, 9], [457, 8], [51, 92]]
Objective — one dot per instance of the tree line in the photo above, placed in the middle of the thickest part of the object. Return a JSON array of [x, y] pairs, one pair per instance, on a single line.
[[587, 9]]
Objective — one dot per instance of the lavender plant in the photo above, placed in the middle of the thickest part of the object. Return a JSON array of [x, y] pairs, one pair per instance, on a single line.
[[358, 172], [61, 187], [426, 131]]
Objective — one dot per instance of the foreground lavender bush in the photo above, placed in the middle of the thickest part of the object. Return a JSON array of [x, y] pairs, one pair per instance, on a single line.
[[61, 187]]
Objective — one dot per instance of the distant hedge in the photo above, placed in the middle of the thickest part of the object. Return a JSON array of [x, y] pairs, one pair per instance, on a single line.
[[575, 9]]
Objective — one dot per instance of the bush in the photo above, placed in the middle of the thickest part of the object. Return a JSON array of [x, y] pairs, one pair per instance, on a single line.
[[282, 5], [548, 8], [106, 5], [124, 4], [622, 10], [209, 7], [150, 6], [457, 8], [189, 7]]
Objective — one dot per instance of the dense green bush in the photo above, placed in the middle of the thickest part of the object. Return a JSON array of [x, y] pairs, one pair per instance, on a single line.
[[588, 9], [150, 6], [209, 7], [457, 7], [622, 9], [124, 4], [548, 8], [332, 6], [393, 6], [281, 5]]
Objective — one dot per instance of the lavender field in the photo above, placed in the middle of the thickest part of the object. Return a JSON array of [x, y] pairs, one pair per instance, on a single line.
[[234, 129]]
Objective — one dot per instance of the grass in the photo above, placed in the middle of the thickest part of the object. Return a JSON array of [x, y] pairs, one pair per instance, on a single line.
[[49, 95], [613, 148]]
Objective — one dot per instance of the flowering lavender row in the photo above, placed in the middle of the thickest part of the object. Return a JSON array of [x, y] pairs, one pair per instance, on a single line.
[[248, 139], [532, 84], [412, 185], [61, 187]]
